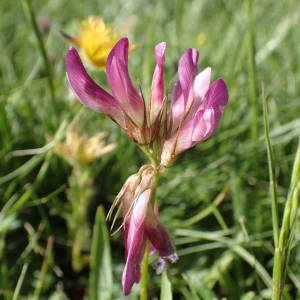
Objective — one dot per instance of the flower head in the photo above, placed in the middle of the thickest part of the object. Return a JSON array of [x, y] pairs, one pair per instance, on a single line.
[[141, 223], [196, 108], [124, 105], [193, 115], [96, 39], [164, 129], [80, 150]]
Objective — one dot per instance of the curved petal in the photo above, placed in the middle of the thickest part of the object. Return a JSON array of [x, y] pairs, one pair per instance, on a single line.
[[87, 91], [135, 242], [187, 69], [206, 123], [159, 236], [184, 137], [184, 102], [177, 107], [121, 84], [157, 88], [132, 272], [217, 94], [201, 83]]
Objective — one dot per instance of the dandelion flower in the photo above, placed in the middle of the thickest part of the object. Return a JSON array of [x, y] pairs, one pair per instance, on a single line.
[[95, 39]]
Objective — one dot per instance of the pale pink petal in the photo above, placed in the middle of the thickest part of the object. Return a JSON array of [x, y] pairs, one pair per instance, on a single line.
[[206, 123], [121, 84], [87, 91], [135, 241], [201, 83], [157, 88], [177, 107], [184, 137]]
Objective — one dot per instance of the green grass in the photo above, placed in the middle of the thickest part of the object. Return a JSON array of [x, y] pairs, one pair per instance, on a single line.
[[216, 200]]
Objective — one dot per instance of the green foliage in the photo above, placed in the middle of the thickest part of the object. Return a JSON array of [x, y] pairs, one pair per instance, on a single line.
[[215, 201], [101, 281]]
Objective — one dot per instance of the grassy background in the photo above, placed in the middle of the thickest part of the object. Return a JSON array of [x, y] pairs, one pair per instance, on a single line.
[[215, 200]]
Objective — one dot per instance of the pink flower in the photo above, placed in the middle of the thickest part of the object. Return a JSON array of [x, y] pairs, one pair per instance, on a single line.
[[167, 129], [125, 105], [141, 223], [196, 108]]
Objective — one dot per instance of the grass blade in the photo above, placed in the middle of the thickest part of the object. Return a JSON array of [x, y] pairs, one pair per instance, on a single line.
[[101, 281], [166, 287]]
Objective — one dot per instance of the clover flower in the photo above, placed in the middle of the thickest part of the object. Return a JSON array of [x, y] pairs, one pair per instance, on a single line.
[[163, 129], [141, 223], [192, 116]]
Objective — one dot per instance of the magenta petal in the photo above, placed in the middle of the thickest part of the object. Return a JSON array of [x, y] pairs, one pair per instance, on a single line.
[[121, 84], [132, 272], [87, 91], [187, 69], [135, 241], [217, 94], [183, 101], [157, 88], [159, 236], [207, 120]]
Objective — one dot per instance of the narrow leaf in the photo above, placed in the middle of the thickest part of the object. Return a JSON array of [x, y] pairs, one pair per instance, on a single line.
[[101, 281], [166, 287]]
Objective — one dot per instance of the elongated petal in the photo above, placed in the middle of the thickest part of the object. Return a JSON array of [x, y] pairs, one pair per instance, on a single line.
[[187, 69], [201, 83], [176, 113], [87, 91], [195, 101], [132, 272], [183, 98], [121, 84], [135, 242], [157, 88]]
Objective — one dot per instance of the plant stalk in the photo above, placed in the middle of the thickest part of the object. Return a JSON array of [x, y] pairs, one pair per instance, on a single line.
[[252, 74], [282, 251], [144, 274]]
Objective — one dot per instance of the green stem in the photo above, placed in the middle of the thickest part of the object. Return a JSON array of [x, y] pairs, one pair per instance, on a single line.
[[144, 266], [144, 274], [41, 45], [149, 155], [252, 73], [282, 251], [275, 214]]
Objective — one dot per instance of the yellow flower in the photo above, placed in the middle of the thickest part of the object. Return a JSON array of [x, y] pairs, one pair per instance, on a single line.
[[96, 39], [80, 149], [201, 39]]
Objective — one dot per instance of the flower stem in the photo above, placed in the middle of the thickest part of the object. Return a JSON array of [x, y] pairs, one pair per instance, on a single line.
[[144, 274]]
